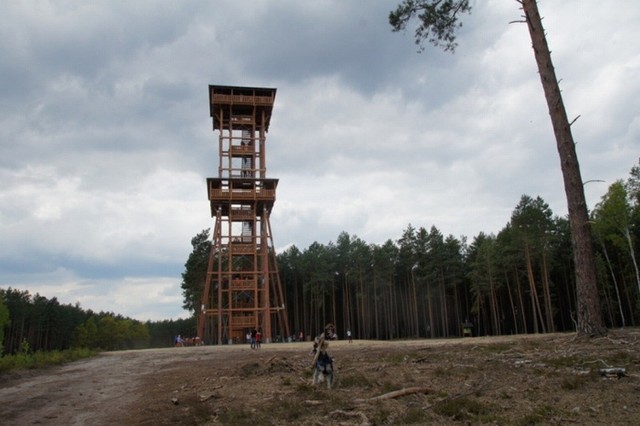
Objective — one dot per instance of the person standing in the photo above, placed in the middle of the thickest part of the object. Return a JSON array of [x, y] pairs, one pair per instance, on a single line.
[[258, 338], [254, 332], [349, 336]]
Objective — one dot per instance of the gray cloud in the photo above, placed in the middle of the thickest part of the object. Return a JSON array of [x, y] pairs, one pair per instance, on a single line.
[[105, 138]]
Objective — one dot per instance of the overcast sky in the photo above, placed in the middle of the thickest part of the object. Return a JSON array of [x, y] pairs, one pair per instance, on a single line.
[[106, 140]]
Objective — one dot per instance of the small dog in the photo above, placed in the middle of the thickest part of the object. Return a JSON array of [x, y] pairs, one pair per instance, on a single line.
[[324, 370]]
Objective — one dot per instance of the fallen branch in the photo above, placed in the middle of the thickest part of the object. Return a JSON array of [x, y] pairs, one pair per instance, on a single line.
[[617, 341], [396, 394], [270, 359], [206, 396]]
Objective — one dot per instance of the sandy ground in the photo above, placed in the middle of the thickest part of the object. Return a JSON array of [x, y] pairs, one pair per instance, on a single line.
[[533, 379]]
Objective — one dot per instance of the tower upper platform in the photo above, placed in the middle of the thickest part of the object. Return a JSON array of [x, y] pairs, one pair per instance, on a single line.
[[246, 105]]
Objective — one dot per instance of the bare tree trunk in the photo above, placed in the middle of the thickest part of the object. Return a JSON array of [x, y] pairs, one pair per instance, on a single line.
[[444, 315], [430, 328], [334, 312], [535, 301], [627, 236], [590, 320], [523, 313], [395, 295], [548, 308], [362, 330], [375, 306], [415, 303], [493, 307], [615, 282], [607, 306], [306, 316], [456, 305], [629, 297], [347, 304], [513, 307]]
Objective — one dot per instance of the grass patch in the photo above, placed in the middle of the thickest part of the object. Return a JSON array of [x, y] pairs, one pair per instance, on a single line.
[[250, 369], [457, 371], [287, 410], [388, 386], [40, 359], [356, 380], [573, 382], [238, 416], [563, 361], [399, 358], [622, 359], [497, 348], [304, 387], [414, 416], [442, 372], [463, 409], [531, 345], [541, 415], [381, 416]]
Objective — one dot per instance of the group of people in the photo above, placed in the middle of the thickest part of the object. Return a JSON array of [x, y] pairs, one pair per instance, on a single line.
[[254, 338], [179, 341]]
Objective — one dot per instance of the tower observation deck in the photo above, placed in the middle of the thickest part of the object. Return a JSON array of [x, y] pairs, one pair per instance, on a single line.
[[242, 289]]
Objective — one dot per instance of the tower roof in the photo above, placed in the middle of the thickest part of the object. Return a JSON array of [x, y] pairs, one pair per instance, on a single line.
[[256, 102]]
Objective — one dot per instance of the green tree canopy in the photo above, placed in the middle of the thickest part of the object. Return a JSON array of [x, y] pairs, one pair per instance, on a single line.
[[438, 20], [195, 271]]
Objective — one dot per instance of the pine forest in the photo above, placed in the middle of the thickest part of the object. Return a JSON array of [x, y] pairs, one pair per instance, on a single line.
[[424, 284]]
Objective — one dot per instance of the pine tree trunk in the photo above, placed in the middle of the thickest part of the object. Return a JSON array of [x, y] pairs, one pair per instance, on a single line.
[[523, 312], [535, 301], [615, 283], [590, 320], [511, 303], [430, 329], [548, 308], [444, 315], [416, 319], [632, 253], [493, 307], [375, 306], [456, 305]]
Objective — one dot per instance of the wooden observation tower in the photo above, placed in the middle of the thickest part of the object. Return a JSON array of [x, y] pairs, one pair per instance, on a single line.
[[242, 290]]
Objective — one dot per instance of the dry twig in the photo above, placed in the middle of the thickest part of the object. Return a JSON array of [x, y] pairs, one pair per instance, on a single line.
[[397, 394]]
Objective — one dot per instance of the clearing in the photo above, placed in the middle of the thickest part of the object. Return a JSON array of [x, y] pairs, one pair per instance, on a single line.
[[520, 380]]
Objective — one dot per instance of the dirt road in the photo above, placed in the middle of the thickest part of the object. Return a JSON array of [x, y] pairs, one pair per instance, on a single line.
[[541, 379], [92, 391]]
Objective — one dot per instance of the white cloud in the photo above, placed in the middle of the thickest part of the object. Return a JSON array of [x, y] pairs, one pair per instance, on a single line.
[[145, 298], [106, 141]]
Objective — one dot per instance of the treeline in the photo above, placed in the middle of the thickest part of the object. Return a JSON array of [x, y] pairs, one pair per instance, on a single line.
[[426, 284], [35, 323]]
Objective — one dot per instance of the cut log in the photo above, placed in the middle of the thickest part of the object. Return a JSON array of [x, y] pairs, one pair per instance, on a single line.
[[397, 394]]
